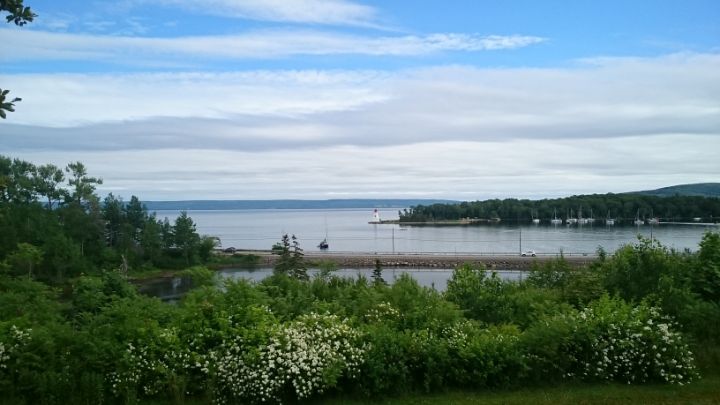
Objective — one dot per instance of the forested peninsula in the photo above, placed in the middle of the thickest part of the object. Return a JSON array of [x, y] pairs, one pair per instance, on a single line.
[[623, 208]]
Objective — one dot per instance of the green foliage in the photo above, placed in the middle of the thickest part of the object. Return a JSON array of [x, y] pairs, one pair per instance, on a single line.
[[706, 274], [77, 233], [7, 104], [494, 301], [609, 340], [575, 286], [26, 257], [17, 12], [289, 339], [635, 271], [622, 207], [377, 273], [290, 261], [200, 276]]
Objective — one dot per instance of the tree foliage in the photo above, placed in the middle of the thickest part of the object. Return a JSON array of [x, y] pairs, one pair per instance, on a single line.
[[621, 207], [77, 232], [20, 15], [17, 12]]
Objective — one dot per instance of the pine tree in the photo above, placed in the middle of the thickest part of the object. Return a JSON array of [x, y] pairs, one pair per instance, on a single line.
[[297, 267], [377, 273]]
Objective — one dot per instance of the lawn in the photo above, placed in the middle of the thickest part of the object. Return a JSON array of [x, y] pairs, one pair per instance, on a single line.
[[705, 391]]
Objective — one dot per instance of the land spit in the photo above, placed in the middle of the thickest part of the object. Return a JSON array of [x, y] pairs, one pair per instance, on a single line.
[[421, 260]]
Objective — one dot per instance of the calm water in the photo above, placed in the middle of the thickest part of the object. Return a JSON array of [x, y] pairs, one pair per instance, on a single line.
[[348, 231], [174, 288]]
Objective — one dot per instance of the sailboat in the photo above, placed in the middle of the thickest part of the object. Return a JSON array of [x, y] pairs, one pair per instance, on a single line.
[[581, 220], [570, 219], [324, 245], [555, 220], [535, 220], [608, 220], [638, 221], [653, 220], [591, 219]]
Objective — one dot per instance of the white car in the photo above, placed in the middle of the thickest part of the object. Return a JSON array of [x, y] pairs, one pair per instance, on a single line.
[[528, 253]]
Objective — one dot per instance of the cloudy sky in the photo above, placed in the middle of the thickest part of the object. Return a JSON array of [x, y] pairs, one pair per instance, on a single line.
[[265, 99]]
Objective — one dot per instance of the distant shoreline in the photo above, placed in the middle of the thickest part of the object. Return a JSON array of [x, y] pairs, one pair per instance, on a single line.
[[220, 205]]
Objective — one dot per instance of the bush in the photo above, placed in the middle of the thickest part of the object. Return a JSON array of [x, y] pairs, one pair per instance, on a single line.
[[200, 276], [305, 357], [611, 340]]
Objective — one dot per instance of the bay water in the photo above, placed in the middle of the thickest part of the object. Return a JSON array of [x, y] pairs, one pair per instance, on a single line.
[[348, 230]]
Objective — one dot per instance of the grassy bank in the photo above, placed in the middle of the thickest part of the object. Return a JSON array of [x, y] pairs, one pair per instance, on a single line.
[[705, 391]]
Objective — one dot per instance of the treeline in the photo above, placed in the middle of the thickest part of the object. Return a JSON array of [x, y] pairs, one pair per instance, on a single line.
[[617, 206], [54, 226]]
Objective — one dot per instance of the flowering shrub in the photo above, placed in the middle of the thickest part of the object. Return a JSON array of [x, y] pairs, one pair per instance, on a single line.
[[382, 312], [156, 364], [610, 340], [635, 345], [14, 341], [302, 358]]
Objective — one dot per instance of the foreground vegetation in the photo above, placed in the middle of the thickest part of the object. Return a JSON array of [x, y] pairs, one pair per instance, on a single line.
[[638, 316], [73, 330]]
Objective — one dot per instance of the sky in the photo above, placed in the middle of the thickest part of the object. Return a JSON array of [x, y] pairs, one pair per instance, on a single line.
[[322, 99]]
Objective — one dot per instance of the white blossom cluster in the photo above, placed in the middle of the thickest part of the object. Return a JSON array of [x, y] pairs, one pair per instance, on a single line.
[[304, 357], [382, 312], [18, 338], [457, 334], [639, 349], [149, 365]]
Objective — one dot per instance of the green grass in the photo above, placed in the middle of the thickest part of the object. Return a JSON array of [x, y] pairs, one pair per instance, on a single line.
[[705, 391]]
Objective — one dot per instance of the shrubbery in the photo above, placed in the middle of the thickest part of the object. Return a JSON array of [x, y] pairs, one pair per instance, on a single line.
[[288, 339]]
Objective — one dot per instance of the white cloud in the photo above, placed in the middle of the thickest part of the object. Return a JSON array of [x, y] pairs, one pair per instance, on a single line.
[[232, 97], [269, 109], [462, 170], [332, 12], [456, 131], [40, 45]]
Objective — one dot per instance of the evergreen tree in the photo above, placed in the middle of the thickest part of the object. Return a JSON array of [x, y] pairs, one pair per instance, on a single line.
[[377, 273], [298, 269], [185, 237], [291, 261], [84, 185], [284, 262], [47, 183], [26, 256]]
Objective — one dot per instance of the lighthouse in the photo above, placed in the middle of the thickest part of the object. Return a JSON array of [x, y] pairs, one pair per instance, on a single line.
[[376, 216]]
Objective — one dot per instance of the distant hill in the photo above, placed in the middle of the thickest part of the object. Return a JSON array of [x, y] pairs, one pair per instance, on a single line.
[[288, 204], [697, 189]]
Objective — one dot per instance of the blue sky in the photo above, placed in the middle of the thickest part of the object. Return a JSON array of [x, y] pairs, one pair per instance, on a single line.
[[181, 99]]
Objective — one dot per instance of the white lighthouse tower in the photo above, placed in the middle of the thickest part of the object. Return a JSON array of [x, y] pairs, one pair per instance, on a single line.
[[376, 216]]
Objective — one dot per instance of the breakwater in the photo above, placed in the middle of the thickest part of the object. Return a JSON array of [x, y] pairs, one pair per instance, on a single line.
[[420, 260]]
